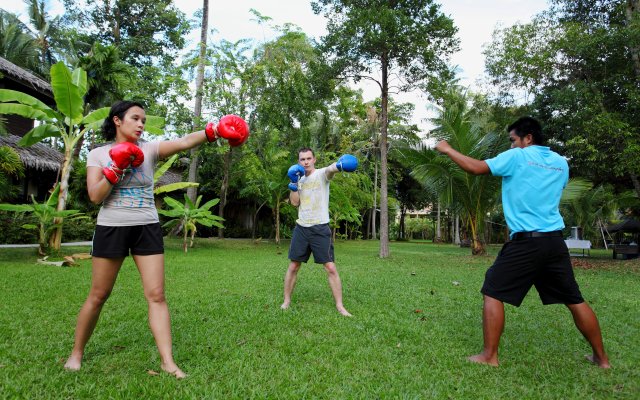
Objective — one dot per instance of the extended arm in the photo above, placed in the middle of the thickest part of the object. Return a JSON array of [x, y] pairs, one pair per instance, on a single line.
[[347, 163], [171, 147], [230, 127], [471, 165]]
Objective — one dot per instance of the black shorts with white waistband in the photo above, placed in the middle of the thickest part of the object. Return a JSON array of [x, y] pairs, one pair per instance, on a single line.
[[119, 241], [315, 239], [536, 260]]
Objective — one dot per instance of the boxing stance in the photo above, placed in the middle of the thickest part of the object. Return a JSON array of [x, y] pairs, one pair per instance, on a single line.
[[309, 191], [533, 177], [120, 176]]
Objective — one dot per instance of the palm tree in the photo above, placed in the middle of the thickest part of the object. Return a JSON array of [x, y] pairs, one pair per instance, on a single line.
[[16, 45], [473, 195], [42, 30]]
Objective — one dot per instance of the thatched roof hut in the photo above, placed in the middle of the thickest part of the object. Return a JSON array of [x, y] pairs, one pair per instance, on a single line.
[[25, 78], [37, 156]]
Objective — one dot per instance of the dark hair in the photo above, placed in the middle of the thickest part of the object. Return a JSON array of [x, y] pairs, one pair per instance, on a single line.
[[528, 125], [118, 109], [305, 149]]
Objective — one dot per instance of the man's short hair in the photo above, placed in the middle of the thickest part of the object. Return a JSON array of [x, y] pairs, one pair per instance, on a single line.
[[305, 149], [528, 125]]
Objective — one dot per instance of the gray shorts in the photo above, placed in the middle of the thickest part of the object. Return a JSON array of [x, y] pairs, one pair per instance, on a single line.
[[315, 239]]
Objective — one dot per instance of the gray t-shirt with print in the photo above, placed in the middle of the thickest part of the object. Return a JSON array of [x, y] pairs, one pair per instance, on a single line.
[[131, 200]]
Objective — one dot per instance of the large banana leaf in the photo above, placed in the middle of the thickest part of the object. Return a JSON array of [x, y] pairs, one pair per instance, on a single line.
[[23, 111], [7, 95], [96, 116], [38, 133], [175, 186], [68, 96]]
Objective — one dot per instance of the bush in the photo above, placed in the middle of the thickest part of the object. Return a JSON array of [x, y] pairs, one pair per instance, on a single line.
[[79, 231], [12, 231]]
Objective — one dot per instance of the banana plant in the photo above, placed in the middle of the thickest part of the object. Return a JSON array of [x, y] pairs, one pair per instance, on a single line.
[[164, 167], [67, 121], [49, 218], [190, 215]]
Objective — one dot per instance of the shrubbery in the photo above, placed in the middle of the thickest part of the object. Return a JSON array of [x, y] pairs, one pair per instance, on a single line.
[[13, 233]]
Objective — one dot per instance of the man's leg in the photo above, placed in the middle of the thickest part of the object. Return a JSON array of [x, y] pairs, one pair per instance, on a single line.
[[336, 287], [492, 327], [587, 322], [290, 282]]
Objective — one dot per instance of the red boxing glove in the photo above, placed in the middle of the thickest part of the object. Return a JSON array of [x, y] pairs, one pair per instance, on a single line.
[[123, 155], [210, 131], [234, 129]]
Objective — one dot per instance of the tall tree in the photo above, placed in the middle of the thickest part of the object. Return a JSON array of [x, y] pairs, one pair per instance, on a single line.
[[192, 192], [468, 131], [577, 62], [411, 38], [16, 44]]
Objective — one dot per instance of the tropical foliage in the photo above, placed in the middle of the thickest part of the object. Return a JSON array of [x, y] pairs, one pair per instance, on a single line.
[[189, 215], [50, 219]]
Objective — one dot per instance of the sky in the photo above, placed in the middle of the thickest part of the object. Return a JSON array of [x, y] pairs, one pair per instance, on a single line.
[[475, 20]]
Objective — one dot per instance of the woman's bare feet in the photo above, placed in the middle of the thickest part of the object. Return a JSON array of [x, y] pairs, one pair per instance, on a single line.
[[482, 359], [344, 312], [602, 363], [73, 363], [285, 305], [173, 370]]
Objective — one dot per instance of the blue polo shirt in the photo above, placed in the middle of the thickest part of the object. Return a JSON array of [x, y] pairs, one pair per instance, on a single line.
[[532, 182]]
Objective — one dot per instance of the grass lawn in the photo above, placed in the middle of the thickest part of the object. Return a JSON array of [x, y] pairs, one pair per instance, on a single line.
[[417, 315]]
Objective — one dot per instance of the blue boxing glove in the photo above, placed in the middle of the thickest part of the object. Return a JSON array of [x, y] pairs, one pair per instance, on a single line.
[[347, 163], [295, 172]]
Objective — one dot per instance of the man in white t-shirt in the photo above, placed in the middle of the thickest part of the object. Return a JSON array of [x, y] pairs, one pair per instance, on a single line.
[[310, 193]]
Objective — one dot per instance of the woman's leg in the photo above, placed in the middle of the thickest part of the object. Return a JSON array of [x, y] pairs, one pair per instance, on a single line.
[[152, 273], [104, 272]]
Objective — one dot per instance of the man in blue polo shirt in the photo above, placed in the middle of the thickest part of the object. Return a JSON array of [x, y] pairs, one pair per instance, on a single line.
[[533, 178]]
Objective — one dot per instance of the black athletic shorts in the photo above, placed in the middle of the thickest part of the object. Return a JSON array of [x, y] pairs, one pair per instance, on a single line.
[[118, 241], [542, 262], [315, 239]]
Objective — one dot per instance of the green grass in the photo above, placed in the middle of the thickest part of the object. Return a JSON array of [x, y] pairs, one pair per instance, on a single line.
[[411, 331]]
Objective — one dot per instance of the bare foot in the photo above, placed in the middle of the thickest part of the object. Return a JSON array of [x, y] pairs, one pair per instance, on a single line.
[[174, 370], [592, 358], [73, 363], [285, 305], [482, 359], [344, 312]]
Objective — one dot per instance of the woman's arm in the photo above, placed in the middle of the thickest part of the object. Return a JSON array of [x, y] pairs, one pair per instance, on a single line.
[[170, 147], [98, 187]]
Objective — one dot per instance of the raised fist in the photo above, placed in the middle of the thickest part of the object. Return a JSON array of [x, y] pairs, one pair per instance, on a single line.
[[347, 163], [230, 127], [295, 172], [123, 155]]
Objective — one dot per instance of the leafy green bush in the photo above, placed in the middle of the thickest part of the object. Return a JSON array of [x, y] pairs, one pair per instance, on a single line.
[[12, 231]]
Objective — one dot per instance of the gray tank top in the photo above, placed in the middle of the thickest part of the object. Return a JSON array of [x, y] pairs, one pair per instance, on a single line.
[[131, 200]]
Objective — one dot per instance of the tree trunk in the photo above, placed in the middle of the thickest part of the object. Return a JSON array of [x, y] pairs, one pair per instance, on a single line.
[[374, 212], [224, 188], [438, 228], [278, 221], [631, 12], [403, 213], [477, 245], [192, 192], [457, 230], [255, 220], [56, 236], [384, 209]]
